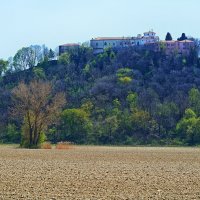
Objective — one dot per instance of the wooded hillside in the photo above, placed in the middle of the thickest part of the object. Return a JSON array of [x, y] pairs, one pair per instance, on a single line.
[[128, 97]]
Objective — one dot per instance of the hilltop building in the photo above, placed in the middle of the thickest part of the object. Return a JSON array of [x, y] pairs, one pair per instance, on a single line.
[[101, 43], [172, 46], [180, 47], [66, 47], [148, 41]]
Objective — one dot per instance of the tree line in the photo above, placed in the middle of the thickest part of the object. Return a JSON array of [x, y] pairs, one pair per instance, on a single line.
[[127, 97]]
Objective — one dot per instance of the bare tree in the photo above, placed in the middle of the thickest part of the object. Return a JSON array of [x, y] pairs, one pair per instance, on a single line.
[[36, 105]]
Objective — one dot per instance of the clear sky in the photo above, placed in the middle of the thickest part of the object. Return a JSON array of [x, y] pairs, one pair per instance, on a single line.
[[54, 22]]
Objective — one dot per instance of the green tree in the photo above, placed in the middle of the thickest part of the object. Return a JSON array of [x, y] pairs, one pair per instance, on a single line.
[[132, 100], [125, 80], [65, 58], [39, 73], [116, 107], [166, 115], [76, 125], [125, 75], [188, 128], [3, 66], [107, 124], [143, 126], [87, 107], [13, 135], [110, 124], [194, 100]]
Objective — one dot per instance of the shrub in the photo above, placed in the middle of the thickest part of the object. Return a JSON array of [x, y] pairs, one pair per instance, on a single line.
[[64, 145], [39, 72], [46, 145], [122, 72], [42, 138], [125, 80]]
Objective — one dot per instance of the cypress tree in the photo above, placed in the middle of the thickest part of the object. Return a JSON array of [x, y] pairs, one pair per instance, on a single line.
[[183, 37], [168, 37]]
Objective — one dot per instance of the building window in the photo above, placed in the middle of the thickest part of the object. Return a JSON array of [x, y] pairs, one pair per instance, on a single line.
[[96, 44]]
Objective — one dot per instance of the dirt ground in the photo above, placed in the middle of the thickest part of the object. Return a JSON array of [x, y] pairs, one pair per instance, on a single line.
[[100, 173]]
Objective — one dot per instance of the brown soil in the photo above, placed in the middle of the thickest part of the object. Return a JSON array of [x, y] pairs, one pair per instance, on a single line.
[[100, 173]]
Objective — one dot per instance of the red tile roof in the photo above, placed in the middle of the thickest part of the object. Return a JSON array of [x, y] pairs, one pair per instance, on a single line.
[[168, 41], [187, 41], [113, 38], [174, 41], [70, 45]]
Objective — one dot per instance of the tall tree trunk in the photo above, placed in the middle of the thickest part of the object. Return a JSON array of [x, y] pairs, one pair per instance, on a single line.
[[31, 137], [35, 136], [35, 131], [30, 130]]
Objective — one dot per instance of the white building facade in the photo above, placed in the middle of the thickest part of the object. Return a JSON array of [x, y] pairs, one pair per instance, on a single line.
[[101, 43]]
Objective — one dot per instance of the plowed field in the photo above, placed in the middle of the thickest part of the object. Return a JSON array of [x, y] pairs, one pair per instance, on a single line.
[[100, 173]]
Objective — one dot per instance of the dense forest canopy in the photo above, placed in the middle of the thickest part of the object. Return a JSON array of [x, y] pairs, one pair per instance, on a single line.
[[127, 97]]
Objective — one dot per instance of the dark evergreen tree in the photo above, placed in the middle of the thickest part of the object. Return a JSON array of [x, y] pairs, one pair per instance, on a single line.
[[51, 54], [168, 37], [183, 37]]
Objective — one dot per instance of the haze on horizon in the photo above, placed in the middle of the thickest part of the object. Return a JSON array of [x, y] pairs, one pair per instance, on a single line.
[[29, 22]]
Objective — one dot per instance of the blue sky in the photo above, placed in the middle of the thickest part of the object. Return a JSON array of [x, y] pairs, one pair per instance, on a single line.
[[50, 22]]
